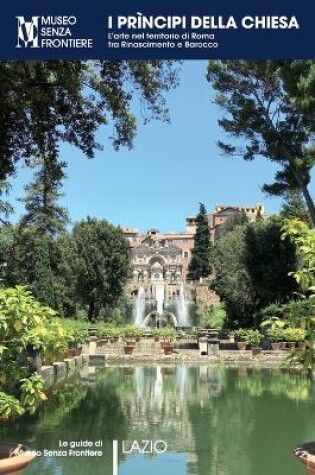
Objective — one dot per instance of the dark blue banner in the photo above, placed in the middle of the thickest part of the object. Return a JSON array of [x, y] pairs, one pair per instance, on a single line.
[[157, 29]]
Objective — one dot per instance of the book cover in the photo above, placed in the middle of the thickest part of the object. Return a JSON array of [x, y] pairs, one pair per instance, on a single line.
[[157, 241]]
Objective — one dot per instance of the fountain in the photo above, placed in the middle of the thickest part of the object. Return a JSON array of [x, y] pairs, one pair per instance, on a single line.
[[152, 317], [159, 295], [139, 307], [182, 308], [158, 307]]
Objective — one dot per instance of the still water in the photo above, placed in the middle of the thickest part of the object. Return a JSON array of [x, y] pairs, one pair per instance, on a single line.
[[214, 421]]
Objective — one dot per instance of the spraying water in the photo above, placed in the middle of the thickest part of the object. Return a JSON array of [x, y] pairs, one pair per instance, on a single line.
[[159, 295], [182, 308], [139, 307]]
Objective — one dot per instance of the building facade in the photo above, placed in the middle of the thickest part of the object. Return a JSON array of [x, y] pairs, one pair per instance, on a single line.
[[164, 257], [160, 256]]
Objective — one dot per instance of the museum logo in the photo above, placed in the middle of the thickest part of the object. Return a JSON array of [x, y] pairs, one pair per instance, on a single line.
[[50, 32], [27, 32]]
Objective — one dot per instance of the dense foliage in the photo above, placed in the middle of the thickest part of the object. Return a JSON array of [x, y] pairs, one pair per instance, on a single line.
[[30, 330], [85, 268], [268, 259], [304, 239], [23, 326], [232, 283], [213, 317], [268, 109], [252, 264], [101, 264], [45, 102]]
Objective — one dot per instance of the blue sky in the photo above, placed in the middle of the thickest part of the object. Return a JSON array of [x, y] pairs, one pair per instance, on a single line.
[[171, 169]]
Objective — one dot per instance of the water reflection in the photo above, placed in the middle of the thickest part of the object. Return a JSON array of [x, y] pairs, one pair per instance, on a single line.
[[216, 421]]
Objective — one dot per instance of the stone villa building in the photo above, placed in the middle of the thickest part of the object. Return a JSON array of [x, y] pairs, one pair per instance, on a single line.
[[164, 257]]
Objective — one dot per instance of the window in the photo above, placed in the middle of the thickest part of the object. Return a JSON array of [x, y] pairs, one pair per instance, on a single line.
[[186, 254]]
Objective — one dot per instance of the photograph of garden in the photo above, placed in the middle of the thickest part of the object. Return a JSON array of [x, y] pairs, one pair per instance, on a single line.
[[145, 328]]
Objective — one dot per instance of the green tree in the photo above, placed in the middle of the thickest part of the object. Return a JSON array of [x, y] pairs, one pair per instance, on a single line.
[[102, 264], [64, 265], [232, 282], [20, 261], [6, 208], [199, 265], [294, 207], [33, 261], [6, 243], [304, 239], [269, 110], [251, 266], [23, 322], [234, 220], [42, 285], [45, 102], [43, 211], [268, 259], [29, 263]]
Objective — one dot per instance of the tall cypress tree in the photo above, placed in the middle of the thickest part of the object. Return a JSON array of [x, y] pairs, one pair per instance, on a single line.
[[199, 265], [44, 220]]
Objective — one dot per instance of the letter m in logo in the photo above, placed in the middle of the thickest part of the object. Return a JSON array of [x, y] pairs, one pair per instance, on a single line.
[[27, 32]]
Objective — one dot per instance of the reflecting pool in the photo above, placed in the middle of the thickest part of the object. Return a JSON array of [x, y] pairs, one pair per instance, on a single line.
[[211, 420]]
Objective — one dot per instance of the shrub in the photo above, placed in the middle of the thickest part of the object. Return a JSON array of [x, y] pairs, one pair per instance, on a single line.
[[214, 318], [24, 324], [294, 334], [130, 331], [76, 331], [253, 337], [168, 333], [274, 328], [274, 310], [275, 333], [241, 334]]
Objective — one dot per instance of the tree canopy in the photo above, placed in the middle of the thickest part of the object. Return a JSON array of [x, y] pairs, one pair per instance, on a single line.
[[43, 103], [232, 283], [268, 260], [268, 110], [101, 264], [6, 209], [252, 265], [293, 207]]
